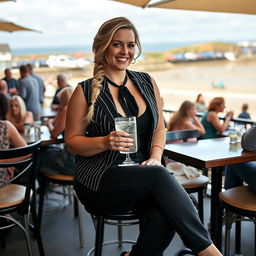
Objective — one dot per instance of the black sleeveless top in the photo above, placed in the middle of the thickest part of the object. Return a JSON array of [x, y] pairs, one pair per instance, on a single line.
[[143, 129]]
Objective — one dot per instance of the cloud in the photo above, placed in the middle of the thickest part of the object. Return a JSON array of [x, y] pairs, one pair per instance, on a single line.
[[75, 22]]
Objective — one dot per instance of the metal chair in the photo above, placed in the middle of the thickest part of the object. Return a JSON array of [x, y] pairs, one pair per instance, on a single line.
[[18, 195], [240, 205], [66, 181]]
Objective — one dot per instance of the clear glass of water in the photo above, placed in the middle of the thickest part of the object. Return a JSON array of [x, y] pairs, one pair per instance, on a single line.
[[37, 129], [128, 124]]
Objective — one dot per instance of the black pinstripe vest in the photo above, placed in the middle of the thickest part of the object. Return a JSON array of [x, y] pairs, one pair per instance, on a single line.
[[89, 170]]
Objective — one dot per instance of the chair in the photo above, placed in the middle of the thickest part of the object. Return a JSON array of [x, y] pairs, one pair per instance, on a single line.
[[63, 180], [18, 195], [198, 184], [240, 205], [99, 220]]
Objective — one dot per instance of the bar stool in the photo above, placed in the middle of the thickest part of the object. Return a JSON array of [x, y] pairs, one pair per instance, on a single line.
[[130, 218], [240, 205]]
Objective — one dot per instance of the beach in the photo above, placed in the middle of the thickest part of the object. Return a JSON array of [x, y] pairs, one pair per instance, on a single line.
[[179, 82]]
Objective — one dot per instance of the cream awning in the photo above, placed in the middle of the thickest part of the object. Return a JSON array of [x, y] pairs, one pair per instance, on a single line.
[[229, 6]]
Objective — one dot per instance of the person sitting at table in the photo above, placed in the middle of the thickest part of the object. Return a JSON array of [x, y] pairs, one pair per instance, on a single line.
[[200, 103], [237, 174], [18, 114], [185, 119], [54, 159], [103, 186], [4, 88], [244, 114], [9, 137], [212, 125], [62, 81]]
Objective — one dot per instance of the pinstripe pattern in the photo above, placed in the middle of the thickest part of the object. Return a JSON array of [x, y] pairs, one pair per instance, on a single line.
[[89, 170]]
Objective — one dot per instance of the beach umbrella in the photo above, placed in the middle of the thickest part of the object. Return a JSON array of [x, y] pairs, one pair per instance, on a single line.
[[8, 26], [229, 6]]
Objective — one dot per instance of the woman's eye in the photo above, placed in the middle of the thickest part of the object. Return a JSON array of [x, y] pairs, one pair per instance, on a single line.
[[116, 44], [131, 45]]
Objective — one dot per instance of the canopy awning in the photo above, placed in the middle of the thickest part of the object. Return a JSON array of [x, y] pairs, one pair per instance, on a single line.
[[8, 26], [228, 6]]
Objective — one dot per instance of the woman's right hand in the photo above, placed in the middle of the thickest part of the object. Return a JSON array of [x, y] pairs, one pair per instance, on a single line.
[[230, 114], [119, 141]]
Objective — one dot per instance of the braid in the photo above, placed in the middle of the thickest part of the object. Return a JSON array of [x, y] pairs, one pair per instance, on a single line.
[[96, 86]]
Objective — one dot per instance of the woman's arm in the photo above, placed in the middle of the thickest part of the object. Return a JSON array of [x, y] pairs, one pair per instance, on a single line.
[[75, 139], [14, 136], [57, 126], [214, 120], [249, 139], [28, 119], [196, 125], [158, 139]]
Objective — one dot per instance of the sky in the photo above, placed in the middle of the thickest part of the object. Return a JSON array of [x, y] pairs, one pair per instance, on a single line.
[[75, 22]]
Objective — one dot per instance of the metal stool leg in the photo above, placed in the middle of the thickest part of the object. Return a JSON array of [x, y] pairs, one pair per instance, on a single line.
[[99, 235], [238, 237], [120, 233]]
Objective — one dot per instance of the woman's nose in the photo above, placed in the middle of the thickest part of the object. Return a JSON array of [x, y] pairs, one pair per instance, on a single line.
[[124, 50]]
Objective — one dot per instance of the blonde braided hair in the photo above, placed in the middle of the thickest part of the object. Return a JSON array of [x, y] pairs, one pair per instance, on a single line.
[[101, 42]]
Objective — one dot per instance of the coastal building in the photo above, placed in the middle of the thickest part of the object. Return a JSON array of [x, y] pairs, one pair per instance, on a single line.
[[5, 56]]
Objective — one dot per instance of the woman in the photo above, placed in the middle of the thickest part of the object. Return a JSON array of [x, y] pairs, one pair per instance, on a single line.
[[54, 159], [100, 183], [185, 119], [18, 114], [212, 125], [9, 137], [200, 104]]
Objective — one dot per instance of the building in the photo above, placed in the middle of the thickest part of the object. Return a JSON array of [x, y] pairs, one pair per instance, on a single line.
[[5, 56]]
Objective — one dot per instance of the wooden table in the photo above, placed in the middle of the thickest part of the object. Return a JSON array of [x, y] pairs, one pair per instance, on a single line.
[[45, 137], [213, 153]]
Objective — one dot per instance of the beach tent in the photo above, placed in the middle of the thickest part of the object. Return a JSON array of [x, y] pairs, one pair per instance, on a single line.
[[8, 26], [229, 6]]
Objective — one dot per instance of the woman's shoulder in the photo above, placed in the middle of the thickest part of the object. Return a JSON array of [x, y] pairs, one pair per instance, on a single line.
[[138, 74]]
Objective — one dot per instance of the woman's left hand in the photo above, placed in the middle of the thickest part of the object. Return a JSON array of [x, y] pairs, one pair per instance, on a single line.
[[151, 161]]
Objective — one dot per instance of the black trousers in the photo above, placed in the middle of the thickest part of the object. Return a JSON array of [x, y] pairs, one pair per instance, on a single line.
[[166, 207]]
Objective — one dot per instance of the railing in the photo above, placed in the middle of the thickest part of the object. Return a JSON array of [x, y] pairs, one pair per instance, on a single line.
[[240, 121]]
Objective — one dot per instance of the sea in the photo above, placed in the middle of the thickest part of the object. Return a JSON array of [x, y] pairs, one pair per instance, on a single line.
[[146, 47]]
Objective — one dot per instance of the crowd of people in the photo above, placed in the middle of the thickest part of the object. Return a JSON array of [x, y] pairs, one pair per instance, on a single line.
[[85, 116]]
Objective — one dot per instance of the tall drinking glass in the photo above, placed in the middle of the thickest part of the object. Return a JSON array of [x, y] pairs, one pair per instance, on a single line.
[[128, 124]]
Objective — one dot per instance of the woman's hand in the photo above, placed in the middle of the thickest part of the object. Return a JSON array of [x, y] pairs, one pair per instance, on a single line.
[[118, 141], [151, 161]]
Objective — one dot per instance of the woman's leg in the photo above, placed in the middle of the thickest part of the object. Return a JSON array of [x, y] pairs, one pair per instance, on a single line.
[[236, 174], [128, 188]]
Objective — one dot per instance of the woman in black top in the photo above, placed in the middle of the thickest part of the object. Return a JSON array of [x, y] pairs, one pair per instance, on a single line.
[[100, 183]]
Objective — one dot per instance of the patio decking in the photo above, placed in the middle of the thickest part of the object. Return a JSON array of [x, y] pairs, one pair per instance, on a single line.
[[60, 235]]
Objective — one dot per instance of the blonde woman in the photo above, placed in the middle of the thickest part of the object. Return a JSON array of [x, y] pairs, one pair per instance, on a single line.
[[18, 114], [100, 183], [211, 122], [185, 119]]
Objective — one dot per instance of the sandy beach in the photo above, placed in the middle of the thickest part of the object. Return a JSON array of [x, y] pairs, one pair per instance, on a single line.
[[179, 82]]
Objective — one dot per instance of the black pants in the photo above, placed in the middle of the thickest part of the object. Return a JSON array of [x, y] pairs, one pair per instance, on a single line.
[[167, 207]]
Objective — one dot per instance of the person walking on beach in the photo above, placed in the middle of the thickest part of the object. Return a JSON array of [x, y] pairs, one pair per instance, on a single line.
[[103, 186]]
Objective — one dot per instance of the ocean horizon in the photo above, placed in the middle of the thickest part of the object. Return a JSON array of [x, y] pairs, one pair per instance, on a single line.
[[146, 47]]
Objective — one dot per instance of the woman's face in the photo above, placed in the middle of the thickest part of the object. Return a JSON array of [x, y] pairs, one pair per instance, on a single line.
[[191, 112], [221, 107], [121, 50], [15, 108]]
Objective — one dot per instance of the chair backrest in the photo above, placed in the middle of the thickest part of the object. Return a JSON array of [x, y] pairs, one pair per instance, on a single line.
[[23, 159], [181, 135]]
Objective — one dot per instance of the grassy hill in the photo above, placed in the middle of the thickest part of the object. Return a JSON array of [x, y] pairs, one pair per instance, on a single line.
[[203, 47]]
